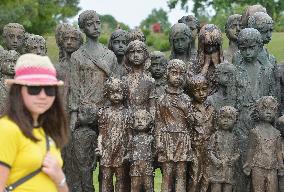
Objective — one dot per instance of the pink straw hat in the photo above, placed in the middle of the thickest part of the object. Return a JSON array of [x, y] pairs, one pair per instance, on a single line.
[[34, 70]]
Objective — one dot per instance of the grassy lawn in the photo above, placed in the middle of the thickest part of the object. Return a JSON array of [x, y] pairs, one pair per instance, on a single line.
[[275, 47]]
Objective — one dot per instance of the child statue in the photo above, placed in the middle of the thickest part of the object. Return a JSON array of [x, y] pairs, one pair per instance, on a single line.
[[158, 69], [232, 29], [226, 82], [202, 128], [13, 37], [114, 125], [172, 134], [118, 44], [210, 53], [141, 152], [280, 127], [35, 44], [264, 155], [135, 34], [223, 151], [140, 86]]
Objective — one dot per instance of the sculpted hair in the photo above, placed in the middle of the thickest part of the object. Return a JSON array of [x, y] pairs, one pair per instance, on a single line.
[[190, 19], [12, 26], [249, 35], [259, 20], [232, 18], [53, 121], [85, 15], [114, 35]]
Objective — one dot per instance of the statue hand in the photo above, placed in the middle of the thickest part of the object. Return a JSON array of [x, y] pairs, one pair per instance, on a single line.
[[182, 105]]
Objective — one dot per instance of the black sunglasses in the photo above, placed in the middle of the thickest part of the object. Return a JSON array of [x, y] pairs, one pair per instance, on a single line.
[[35, 90]]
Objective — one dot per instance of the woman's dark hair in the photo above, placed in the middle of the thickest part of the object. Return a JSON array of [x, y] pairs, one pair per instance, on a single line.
[[53, 121]]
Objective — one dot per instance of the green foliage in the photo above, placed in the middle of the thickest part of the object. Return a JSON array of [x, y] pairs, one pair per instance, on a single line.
[[156, 16], [37, 16], [104, 39], [159, 42], [110, 24]]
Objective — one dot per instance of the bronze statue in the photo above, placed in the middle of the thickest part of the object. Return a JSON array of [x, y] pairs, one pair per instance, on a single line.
[[264, 155], [180, 41], [7, 62], [193, 24], [91, 65], [223, 151], [13, 36], [35, 44], [210, 53], [140, 86], [158, 70], [232, 29], [118, 44], [141, 152], [172, 133], [249, 11], [114, 123], [226, 90], [280, 127], [202, 116]]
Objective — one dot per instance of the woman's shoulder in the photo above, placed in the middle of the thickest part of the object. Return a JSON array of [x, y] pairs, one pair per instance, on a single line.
[[8, 126]]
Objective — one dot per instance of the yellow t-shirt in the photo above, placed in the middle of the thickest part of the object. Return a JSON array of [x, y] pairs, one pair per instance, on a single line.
[[24, 156]]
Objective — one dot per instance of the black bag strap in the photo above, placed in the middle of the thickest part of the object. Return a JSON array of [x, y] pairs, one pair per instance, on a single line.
[[30, 175]]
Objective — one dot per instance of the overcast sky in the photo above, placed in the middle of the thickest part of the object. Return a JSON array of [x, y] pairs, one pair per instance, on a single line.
[[131, 12]]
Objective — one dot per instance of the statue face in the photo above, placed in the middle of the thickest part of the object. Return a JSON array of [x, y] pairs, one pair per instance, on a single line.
[[115, 95], [14, 38], [157, 68], [194, 30], [92, 27], [181, 43], [176, 77], [8, 65], [36, 47], [119, 45], [233, 30], [266, 33], [249, 51], [226, 121], [71, 42], [136, 56], [141, 121], [223, 77], [200, 93], [267, 114]]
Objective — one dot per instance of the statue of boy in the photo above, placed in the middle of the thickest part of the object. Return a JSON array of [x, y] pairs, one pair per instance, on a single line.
[[135, 34], [35, 44], [91, 65], [202, 128], [193, 24], [223, 151], [226, 82], [118, 44], [232, 29], [13, 36], [114, 125], [180, 41], [172, 133], [264, 155], [141, 152], [210, 53]]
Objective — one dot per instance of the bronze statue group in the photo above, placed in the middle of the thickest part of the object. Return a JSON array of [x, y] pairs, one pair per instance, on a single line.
[[209, 119]]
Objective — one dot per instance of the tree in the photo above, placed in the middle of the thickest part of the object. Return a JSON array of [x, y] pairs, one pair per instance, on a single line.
[[156, 16], [37, 16], [109, 24]]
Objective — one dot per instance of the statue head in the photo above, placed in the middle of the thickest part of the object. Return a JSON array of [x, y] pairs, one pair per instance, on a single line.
[[249, 11], [115, 90], [158, 64], [118, 42], [135, 34], [227, 117], [72, 39], [136, 54], [266, 109], [225, 74], [249, 43], [193, 24], [13, 36], [90, 23], [180, 39], [199, 88], [232, 27], [35, 44], [210, 39], [142, 121], [8, 61], [263, 23], [176, 73]]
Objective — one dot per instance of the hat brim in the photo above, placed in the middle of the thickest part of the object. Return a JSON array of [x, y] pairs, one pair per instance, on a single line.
[[10, 82]]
